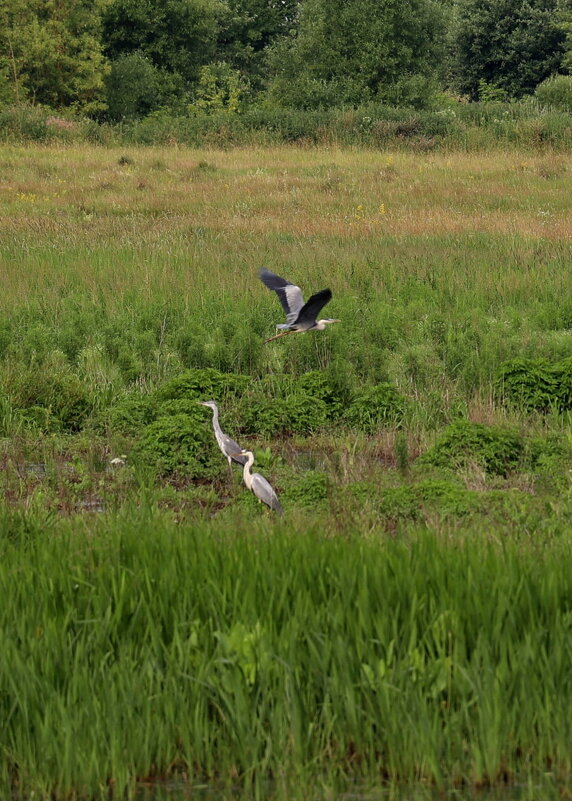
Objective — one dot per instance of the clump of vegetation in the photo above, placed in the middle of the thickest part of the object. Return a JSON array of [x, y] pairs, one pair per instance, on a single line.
[[131, 413], [320, 387], [179, 444], [203, 384], [536, 384], [66, 399], [311, 490], [529, 384], [376, 407], [556, 91], [498, 450], [296, 414]]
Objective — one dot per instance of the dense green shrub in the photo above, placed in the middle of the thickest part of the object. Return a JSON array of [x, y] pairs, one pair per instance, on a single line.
[[556, 91], [133, 87], [295, 414], [529, 384], [131, 413], [309, 490], [536, 385], [445, 497], [318, 386], [499, 450], [62, 393], [179, 444], [375, 407], [562, 371], [203, 384]]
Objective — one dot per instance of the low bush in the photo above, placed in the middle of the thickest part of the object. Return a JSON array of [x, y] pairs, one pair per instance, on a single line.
[[375, 407], [529, 384], [536, 384], [179, 444], [556, 92], [309, 490], [499, 450], [203, 384], [131, 413], [63, 394], [296, 414]]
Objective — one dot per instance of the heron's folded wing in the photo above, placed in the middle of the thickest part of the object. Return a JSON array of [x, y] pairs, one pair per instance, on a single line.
[[262, 489], [233, 450], [289, 295], [309, 312]]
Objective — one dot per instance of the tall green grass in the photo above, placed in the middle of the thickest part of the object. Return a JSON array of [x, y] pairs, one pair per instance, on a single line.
[[252, 653]]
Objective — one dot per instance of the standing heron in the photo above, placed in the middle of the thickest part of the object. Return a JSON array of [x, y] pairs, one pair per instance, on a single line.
[[258, 484], [228, 446], [300, 316]]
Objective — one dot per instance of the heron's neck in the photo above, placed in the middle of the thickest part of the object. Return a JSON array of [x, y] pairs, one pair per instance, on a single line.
[[246, 470], [216, 424]]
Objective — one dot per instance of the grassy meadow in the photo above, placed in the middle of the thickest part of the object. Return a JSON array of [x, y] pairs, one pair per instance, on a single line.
[[408, 620]]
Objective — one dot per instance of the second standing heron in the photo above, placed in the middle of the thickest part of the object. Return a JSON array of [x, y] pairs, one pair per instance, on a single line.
[[228, 446]]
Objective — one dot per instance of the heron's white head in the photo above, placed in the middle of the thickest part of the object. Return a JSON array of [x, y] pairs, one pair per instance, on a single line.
[[211, 404], [321, 324]]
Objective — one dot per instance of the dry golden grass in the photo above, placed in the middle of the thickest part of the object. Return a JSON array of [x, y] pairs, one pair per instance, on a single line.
[[304, 192]]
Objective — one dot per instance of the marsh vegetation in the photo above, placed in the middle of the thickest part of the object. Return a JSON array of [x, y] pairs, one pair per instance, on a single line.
[[409, 617]]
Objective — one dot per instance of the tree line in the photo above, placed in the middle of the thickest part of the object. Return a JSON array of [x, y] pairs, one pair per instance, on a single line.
[[123, 59]]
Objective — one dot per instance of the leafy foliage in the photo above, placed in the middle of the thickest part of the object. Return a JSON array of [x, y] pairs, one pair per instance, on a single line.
[[296, 414], [134, 87], [354, 52], [375, 407], [179, 444], [51, 53], [511, 45], [203, 384], [310, 490], [528, 383], [499, 450], [536, 384], [556, 91]]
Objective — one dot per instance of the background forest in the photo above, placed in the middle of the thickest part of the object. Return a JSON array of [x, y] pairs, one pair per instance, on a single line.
[[119, 60]]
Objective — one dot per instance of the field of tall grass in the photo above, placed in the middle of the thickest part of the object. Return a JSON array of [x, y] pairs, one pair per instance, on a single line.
[[408, 620]]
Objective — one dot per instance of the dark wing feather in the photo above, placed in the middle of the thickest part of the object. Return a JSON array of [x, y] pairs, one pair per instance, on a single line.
[[233, 450], [309, 312], [289, 295]]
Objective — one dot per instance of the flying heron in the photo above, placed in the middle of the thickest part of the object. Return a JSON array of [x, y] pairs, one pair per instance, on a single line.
[[228, 446], [258, 484], [300, 316]]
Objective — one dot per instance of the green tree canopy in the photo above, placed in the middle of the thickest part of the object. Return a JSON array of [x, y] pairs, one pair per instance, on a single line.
[[50, 52], [248, 28], [509, 44], [353, 51], [178, 36]]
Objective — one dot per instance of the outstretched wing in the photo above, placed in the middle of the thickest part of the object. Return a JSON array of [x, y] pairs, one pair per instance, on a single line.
[[289, 295], [309, 312], [264, 492]]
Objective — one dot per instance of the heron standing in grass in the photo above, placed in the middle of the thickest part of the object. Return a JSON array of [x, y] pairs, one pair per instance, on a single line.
[[258, 484], [228, 446], [300, 316]]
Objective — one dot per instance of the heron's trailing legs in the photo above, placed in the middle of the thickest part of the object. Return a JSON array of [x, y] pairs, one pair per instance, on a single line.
[[276, 336]]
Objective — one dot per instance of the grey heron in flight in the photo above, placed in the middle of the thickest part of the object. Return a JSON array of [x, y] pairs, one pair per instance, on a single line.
[[300, 316], [228, 446], [258, 484]]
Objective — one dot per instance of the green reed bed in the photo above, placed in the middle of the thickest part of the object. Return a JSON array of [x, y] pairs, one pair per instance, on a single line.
[[253, 653]]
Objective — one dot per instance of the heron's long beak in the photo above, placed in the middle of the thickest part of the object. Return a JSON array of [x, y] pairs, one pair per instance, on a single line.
[[277, 336]]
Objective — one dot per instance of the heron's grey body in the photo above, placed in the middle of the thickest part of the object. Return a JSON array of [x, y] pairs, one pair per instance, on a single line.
[[300, 316], [228, 446], [259, 485]]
